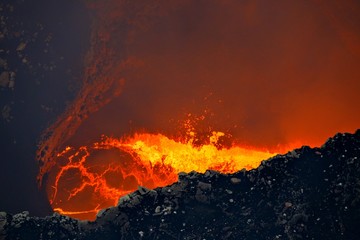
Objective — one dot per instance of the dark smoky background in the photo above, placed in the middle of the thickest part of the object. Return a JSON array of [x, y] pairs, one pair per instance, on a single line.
[[42, 46], [267, 72]]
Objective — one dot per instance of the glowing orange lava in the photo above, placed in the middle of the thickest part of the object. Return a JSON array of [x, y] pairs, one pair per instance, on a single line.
[[93, 178], [266, 85]]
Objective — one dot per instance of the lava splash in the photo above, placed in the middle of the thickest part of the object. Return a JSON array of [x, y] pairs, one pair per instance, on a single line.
[[155, 60], [91, 178]]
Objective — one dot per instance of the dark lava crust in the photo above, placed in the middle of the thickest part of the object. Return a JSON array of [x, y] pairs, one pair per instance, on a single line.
[[309, 193]]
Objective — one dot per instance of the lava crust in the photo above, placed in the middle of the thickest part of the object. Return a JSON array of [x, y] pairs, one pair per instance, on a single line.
[[309, 193]]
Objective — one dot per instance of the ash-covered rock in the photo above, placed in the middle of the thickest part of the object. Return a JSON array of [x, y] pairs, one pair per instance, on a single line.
[[305, 194]]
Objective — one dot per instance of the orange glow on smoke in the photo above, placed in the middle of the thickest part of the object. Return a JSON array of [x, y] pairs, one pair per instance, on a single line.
[[273, 74], [113, 167]]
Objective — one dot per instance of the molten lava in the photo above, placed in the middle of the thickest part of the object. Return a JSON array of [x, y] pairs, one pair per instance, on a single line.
[[93, 178], [150, 61]]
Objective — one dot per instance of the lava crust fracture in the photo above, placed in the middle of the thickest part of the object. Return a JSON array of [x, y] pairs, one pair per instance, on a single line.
[[309, 193]]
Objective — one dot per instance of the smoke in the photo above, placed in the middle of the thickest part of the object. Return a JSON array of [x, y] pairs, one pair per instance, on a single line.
[[268, 72]]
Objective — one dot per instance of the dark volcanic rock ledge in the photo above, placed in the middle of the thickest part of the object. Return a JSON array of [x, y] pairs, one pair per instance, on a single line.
[[305, 194]]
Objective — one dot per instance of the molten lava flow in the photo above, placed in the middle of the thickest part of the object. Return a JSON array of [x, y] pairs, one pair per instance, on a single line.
[[169, 55], [92, 178]]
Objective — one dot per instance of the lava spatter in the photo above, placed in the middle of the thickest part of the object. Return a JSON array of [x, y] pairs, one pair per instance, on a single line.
[[91, 178]]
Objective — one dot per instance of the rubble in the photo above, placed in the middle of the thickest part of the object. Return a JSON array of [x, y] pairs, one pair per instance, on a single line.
[[287, 198]]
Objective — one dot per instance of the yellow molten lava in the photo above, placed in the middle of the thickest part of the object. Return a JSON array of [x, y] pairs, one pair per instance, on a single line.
[[185, 157], [89, 179]]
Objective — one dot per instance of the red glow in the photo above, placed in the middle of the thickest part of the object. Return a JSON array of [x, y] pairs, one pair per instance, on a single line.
[[274, 75], [93, 178]]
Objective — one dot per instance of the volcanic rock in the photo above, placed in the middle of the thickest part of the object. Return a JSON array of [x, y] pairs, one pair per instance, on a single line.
[[309, 193], [4, 79]]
